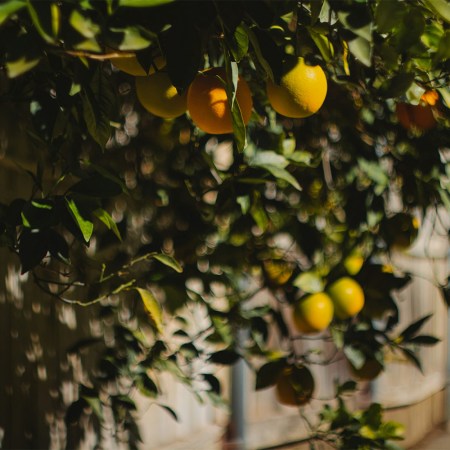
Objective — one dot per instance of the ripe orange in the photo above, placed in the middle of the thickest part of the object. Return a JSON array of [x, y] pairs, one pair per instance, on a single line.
[[347, 296], [313, 313], [208, 102], [131, 65], [157, 94], [419, 116], [295, 386], [354, 262], [302, 89]]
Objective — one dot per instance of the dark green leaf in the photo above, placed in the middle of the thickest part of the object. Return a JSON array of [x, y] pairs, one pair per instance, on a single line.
[[388, 15], [143, 3], [411, 356], [74, 412], [146, 385], [362, 50], [424, 340], [267, 374], [439, 7], [412, 329], [213, 382], [169, 410], [238, 43], [33, 246], [226, 357]]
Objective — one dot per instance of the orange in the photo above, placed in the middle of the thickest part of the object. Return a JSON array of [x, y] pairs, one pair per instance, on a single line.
[[295, 386], [277, 272], [419, 116], [354, 262], [131, 65], [208, 102], [313, 313], [158, 96], [302, 89], [347, 296]]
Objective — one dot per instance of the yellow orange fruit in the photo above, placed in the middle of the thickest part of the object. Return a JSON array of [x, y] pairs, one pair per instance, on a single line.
[[208, 102], [313, 313], [419, 116], [301, 91], [295, 386], [131, 65], [353, 263], [277, 272], [347, 296], [157, 94]]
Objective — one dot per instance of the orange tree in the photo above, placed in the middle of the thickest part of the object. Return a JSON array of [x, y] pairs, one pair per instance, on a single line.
[[329, 107]]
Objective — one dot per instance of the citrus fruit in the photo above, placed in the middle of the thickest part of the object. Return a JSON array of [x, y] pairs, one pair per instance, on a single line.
[[208, 102], [313, 313], [400, 230], [277, 272], [419, 116], [295, 386], [158, 96], [301, 91], [347, 296], [353, 263], [131, 65], [368, 371]]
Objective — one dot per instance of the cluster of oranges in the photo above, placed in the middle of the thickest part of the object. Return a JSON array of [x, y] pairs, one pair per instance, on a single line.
[[300, 93], [343, 299]]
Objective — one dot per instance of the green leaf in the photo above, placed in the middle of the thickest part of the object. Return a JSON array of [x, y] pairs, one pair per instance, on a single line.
[[443, 52], [152, 307], [146, 385], [132, 38], [84, 25], [86, 226], [411, 356], [259, 56], [309, 282], [355, 356], [143, 3], [439, 7], [20, 66], [412, 329], [9, 8], [267, 374], [359, 22], [361, 49], [96, 405], [169, 410], [169, 261], [238, 43], [388, 15], [323, 44], [98, 102], [106, 218], [37, 23], [225, 357], [424, 340]]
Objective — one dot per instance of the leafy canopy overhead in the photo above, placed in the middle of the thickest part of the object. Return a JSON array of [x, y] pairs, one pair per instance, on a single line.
[[242, 225]]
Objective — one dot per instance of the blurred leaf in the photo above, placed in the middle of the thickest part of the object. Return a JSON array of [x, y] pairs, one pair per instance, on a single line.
[[268, 374], [146, 385], [226, 357], [20, 66], [424, 340], [143, 3], [96, 405], [361, 49], [439, 7], [388, 15], [411, 356], [33, 246], [309, 282], [106, 218], [323, 44], [213, 382], [74, 412], [9, 8], [152, 307], [84, 25]]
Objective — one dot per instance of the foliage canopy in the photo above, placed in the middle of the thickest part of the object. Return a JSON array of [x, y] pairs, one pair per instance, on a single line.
[[238, 226]]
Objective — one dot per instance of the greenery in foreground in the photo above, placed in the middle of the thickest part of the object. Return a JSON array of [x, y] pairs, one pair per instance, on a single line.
[[130, 212]]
